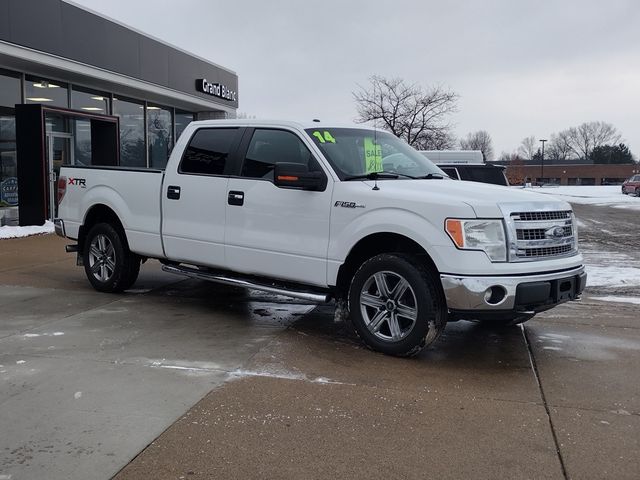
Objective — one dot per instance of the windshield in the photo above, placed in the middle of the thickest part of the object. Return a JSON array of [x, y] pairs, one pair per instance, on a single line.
[[355, 151]]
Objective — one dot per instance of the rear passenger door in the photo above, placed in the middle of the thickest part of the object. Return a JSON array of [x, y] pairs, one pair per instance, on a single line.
[[271, 231], [194, 198]]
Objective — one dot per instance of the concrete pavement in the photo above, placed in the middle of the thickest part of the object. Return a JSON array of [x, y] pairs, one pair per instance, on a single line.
[[222, 383]]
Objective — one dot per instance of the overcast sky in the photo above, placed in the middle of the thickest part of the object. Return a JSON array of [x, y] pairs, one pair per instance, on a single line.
[[520, 67]]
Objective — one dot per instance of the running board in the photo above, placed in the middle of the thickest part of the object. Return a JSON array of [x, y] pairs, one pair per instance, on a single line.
[[236, 282]]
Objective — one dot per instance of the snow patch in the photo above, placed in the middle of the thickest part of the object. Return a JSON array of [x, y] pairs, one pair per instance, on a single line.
[[610, 195], [20, 362], [77, 395], [285, 376], [612, 298], [20, 232], [612, 276]]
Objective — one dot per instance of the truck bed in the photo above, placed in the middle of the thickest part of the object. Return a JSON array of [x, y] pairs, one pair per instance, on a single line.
[[133, 194]]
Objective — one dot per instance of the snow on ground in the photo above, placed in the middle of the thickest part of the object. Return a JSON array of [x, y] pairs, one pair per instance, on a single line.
[[610, 195], [19, 232], [616, 299], [612, 276]]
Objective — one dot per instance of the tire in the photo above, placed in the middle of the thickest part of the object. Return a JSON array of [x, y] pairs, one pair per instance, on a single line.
[[637, 192], [396, 305], [108, 263]]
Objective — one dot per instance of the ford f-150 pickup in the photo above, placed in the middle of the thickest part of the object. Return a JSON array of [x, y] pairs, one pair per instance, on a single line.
[[317, 212]]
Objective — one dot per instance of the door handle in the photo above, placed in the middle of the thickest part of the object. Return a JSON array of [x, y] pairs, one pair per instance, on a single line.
[[173, 192], [235, 198]]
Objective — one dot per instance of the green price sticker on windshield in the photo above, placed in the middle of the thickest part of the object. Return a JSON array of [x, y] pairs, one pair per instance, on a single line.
[[372, 156], [324, 137]]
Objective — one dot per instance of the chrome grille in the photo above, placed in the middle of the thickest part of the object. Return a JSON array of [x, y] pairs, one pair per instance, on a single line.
[[539, 234], [541, 216], [546, 251]]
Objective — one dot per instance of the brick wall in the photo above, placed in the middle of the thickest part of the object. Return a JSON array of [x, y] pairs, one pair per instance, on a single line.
[[571, 174]]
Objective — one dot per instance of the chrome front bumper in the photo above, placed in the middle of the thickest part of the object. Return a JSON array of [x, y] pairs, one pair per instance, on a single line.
[[466, 293]]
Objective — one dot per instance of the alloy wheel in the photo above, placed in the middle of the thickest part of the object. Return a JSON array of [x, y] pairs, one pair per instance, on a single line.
[[102, 258], [388, 305]]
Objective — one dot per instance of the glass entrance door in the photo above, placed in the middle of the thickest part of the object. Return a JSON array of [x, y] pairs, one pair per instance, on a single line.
[[59, 153]]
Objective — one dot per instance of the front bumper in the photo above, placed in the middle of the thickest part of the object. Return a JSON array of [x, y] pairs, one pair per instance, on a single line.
[[518, 294]]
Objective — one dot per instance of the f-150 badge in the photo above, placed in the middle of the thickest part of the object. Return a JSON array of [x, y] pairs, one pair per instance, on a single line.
[[348, 204]]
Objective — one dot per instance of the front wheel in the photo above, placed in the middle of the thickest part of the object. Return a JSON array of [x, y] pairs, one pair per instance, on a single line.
[[396, 305], [108, 263]]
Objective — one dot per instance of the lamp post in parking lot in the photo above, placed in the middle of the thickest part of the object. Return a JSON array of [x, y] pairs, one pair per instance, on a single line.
[[542, 159]]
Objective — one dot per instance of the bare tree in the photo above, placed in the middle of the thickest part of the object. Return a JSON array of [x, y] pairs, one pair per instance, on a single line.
[[528, 147], [480, 140], [559, 147], [416, 114], [440, 141], [584, 138]]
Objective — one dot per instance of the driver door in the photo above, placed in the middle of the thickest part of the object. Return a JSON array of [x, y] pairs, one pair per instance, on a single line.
[[272, 231]]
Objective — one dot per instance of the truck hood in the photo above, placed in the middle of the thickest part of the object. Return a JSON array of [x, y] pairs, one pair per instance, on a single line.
[[484, 199]]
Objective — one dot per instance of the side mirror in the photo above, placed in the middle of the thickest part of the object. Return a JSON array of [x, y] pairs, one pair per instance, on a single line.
[[298, 176]]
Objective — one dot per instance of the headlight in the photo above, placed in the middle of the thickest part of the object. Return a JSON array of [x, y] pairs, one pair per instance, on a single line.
[[485, 235]]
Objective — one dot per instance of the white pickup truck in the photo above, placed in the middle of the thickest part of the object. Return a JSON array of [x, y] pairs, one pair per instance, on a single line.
[[319, 212]]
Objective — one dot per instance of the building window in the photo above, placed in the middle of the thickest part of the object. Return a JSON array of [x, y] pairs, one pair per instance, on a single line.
[[89, 101], [8, 169], [82, 141], [160, 135], [132, 127], [182, 120], [9, 89], [48, 92], [572, 181], [587, 181]]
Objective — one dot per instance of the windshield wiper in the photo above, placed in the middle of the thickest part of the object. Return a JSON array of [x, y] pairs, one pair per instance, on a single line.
[[432, 175], [378, 175]]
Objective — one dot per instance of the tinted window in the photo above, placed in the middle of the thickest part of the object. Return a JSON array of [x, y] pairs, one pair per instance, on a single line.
[[49, 92], [208, 151], [182, 120], [132, 146], [9, 90], [89, 100], [270, 146], [159, 135]]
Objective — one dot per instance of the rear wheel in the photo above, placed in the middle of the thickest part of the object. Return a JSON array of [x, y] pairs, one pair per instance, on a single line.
[[108, 263], [396, 305]]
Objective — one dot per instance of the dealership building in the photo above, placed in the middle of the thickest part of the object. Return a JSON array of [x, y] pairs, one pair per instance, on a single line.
[[77, 88]]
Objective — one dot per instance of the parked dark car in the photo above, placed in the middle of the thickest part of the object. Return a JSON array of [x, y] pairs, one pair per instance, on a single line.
[[632, 185], [476, 172]]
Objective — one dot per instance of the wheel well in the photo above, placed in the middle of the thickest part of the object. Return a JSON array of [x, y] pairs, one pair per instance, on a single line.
[[99, 214], [376, 244]]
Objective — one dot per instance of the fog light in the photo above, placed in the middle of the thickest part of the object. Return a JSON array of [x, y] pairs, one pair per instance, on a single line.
[[494, 295]]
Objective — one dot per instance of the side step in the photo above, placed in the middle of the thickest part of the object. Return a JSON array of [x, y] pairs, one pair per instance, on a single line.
[[217, 277]]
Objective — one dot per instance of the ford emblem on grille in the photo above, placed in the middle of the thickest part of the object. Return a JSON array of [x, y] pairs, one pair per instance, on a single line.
[[554, 232]]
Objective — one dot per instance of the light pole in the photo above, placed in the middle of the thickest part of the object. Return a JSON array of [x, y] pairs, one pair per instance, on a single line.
[[542, 159]]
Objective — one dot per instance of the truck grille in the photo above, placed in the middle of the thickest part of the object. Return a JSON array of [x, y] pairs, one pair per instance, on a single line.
[[540, 235], [547, 251], [541, 216]]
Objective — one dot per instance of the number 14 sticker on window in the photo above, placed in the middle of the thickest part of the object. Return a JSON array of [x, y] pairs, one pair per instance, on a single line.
[[324, 137], [372, 156]]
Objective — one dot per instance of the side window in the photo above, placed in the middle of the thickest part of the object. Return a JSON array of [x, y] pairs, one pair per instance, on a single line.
[[267, 147], [208, 151]]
